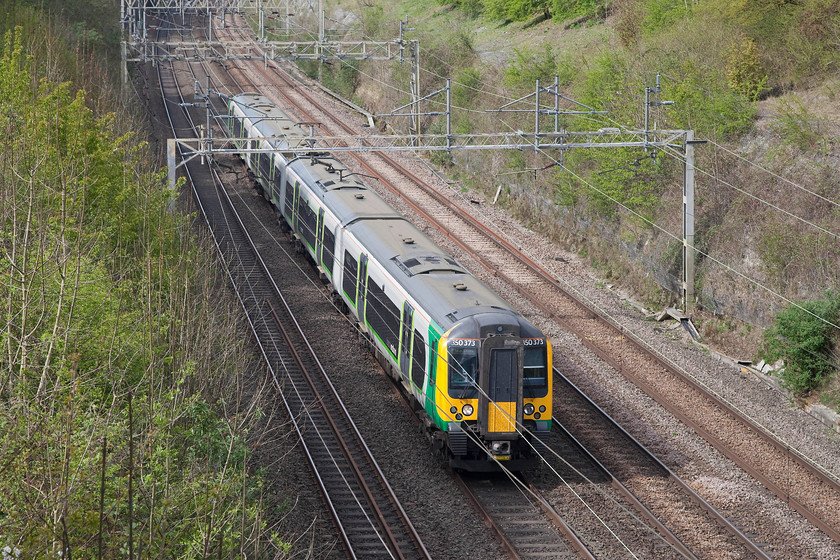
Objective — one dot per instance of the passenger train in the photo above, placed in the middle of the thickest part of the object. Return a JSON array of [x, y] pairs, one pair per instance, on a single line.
[[476, 371]]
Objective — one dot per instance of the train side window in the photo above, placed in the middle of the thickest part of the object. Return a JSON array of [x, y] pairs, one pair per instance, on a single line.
[[463, 371], [348, 283], [327, 254], [383, 316], [278, 181], [535, 376], [237, 129], [264, 167], [306, 221], [418, 356]]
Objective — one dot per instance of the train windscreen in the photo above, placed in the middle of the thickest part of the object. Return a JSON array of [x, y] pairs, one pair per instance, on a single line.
[[463, 370], [535, 376]]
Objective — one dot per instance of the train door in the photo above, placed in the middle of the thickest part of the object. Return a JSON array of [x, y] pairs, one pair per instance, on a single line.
[[360, 299], [295, 204], [405, 341], [500, 382], [319, 237], [279, 183]]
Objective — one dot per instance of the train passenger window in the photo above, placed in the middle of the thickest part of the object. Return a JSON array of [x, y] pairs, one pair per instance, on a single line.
[[418, 356], [327, 253], [278, 184], [268, 166], [383, 316], [348, 283], [307, 221], [237, 130], [265, 167], [463, 371], [535, 376]]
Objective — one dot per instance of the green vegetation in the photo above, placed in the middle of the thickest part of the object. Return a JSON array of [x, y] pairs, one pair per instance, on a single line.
[[799, 128], [803, 337], [122, 420]]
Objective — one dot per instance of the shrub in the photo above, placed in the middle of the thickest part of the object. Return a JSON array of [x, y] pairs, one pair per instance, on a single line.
[[528, 66], [566, 9], [802, 337], [661, 14], [744, 71], [798, 127], [516, 10]]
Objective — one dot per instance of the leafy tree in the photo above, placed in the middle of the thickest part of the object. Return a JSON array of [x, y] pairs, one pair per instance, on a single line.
[[105, 429]]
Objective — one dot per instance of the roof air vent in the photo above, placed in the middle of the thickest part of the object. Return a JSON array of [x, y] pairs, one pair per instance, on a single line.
[[408, 240], [460, 286], [360, 196]]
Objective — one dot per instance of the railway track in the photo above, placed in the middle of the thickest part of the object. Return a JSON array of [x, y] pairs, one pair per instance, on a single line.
[[800, 482], [508, 506], [369, 518], [527, 284], [468, 234]]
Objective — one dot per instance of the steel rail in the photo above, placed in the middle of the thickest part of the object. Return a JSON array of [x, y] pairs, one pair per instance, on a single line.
[[560, 524], [688, 490], [572, 542]]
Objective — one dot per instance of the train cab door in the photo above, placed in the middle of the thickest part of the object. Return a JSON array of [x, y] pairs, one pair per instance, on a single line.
[[362, 294], [319, 236], [500, 379], [405, 341]]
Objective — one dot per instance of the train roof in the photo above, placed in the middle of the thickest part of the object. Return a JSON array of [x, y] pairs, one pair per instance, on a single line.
[[343, 193], [433, 278], [265, 116]]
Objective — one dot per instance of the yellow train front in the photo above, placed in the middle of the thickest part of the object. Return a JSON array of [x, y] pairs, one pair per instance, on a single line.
[[493, 393]]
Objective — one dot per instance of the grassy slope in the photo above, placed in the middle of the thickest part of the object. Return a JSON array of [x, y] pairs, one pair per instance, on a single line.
[[757, 149]]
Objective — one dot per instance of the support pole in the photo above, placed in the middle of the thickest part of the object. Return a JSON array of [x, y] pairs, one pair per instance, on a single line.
[[689, 253], [262, 23], [537, 116], [322, 24], [124, 60], [170, 161], [414, 121], [448, 116]]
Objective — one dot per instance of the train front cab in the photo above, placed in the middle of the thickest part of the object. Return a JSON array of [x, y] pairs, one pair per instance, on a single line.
[[494, 396]]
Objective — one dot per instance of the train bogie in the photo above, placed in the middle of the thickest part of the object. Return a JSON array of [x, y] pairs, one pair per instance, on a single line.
[[478, 373]]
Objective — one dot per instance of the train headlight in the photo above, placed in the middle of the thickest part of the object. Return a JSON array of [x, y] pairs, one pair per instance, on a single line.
[[528, 409], [467, 409], [500, 447]]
